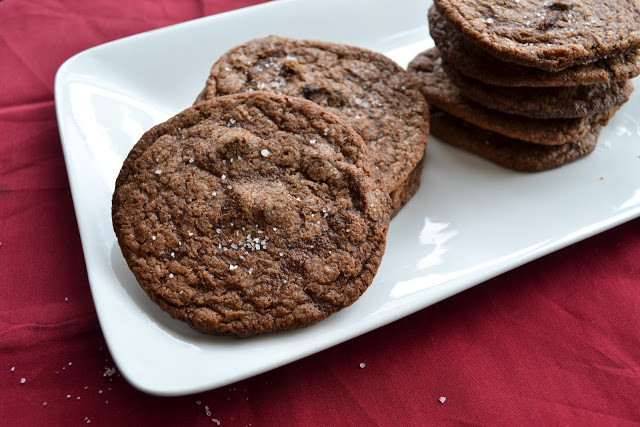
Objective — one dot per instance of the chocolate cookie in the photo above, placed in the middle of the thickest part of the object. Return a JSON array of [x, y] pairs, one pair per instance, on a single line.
[[370, 91], [547, 34], [508, 152], [478, 64], [251, 213], [439, 91], [543, 102]]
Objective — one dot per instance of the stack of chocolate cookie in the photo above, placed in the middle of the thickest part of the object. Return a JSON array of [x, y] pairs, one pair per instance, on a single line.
[[528, 84], [254, 211]]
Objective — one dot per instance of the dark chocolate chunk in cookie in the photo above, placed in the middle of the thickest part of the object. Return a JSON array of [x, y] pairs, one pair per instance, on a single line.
[[474, 62], [547, 34], [370, 91], [508, 152], [439, 91], [251, 213]]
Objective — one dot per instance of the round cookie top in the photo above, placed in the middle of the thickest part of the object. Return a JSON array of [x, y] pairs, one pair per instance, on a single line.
[[251, 213], [474, 62], [367, 89], [547, 34]]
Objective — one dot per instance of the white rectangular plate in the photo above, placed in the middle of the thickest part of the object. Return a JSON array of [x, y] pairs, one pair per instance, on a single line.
[[470, 221]]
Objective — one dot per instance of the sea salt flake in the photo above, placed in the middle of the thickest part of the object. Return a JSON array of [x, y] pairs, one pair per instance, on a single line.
[[170, 275], [158, 171], [190, 234], [442, 399], [232, 267], [312, 141], [191, 160], [362, 365], [173, 254], [23, 380], [108, 372], [153, 237], [223, 177], [264, 152], [213, 193], [13, 368]]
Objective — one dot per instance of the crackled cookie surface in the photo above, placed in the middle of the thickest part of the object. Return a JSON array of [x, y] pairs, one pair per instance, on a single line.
[[368, 90], [474, 62], [547, 34], [251, 213]]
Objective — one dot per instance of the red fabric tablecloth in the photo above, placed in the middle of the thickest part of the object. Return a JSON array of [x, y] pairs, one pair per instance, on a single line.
[[556, 341]]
